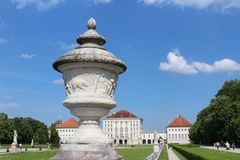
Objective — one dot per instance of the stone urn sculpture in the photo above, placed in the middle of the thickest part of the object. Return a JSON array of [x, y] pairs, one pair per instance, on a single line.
[[90, 75]]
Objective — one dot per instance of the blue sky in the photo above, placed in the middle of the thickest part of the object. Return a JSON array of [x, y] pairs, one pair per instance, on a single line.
[[178, 54]]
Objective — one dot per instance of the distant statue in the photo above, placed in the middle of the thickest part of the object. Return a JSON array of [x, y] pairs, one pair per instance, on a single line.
[[15, 135], [155, 137], [32, 143]]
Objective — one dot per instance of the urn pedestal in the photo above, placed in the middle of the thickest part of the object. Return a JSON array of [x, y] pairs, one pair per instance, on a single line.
[[90, 75]]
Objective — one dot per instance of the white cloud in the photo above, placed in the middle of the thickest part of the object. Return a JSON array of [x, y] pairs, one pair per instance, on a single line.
[[58, 81], [102, 1], [9, 105], [63, 45], [224, 65], [177, 63], [27, 56], [40, 4], [2, 40], [221, 5]]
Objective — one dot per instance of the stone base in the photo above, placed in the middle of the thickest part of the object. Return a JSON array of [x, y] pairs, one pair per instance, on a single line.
[[14, 147], [86, 152]]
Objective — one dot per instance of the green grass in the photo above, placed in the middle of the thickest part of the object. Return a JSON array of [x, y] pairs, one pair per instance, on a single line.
[[45, 155], [194, 152], [139, 152], [179, 155], [164, 154]]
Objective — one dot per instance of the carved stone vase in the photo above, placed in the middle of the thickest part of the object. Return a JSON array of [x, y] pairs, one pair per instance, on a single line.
[[90, 75]]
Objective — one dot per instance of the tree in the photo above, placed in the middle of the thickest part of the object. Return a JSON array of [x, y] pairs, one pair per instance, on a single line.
[[221, 119], [24, 129], [6, 131], [39, 129], [54, 138], [3, 116]]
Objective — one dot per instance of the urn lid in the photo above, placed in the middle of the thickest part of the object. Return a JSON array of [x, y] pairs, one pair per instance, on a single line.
[[90, 49]]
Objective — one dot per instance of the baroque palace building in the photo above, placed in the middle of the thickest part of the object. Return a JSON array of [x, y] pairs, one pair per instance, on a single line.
[[67, 129], [178, 131], [123, 127]]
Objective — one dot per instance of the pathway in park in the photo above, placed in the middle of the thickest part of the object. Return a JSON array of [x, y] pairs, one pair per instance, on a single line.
[[237, 150], [155, 155], [171, 155]]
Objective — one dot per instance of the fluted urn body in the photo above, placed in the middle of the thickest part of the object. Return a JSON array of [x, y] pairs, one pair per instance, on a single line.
[[90, 75]]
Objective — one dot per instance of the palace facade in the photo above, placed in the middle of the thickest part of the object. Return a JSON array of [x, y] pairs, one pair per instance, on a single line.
[[67, 129], [123, 127], [178, 131]]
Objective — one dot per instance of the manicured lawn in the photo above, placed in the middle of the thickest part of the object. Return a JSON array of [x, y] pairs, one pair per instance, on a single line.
[[139, 152], [179, 155], [194, 152], [45, 155], [136, 153], [164, 154]]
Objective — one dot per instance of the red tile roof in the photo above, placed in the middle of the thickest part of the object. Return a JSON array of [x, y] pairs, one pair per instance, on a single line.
[[122, 114], [71, 123], [179, 122]]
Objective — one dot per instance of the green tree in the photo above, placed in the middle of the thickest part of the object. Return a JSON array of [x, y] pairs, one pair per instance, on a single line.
[[40, 130], [3, 116], [24, 129], [6, 131], [221, 119], [54, 138]]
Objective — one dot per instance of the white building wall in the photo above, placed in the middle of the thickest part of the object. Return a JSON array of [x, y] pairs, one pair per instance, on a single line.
[[148, 137], [123, 130], [178, 135], [65, 133]]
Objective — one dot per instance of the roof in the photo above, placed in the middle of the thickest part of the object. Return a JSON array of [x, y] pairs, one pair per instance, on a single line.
[[122, 114], [70, 123], [179, 122]]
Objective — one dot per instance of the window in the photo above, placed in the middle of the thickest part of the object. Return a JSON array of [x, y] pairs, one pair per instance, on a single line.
[[126, 129], [121, 129]]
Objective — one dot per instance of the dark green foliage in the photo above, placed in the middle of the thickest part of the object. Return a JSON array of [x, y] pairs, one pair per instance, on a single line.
[[27, 129], [54, 138], [6, 131], [24, 130], [7, 150], [220, 121], [3, 116]]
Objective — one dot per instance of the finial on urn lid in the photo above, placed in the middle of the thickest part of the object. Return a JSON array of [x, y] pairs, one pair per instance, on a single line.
[[91, 23], [91, 36]]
